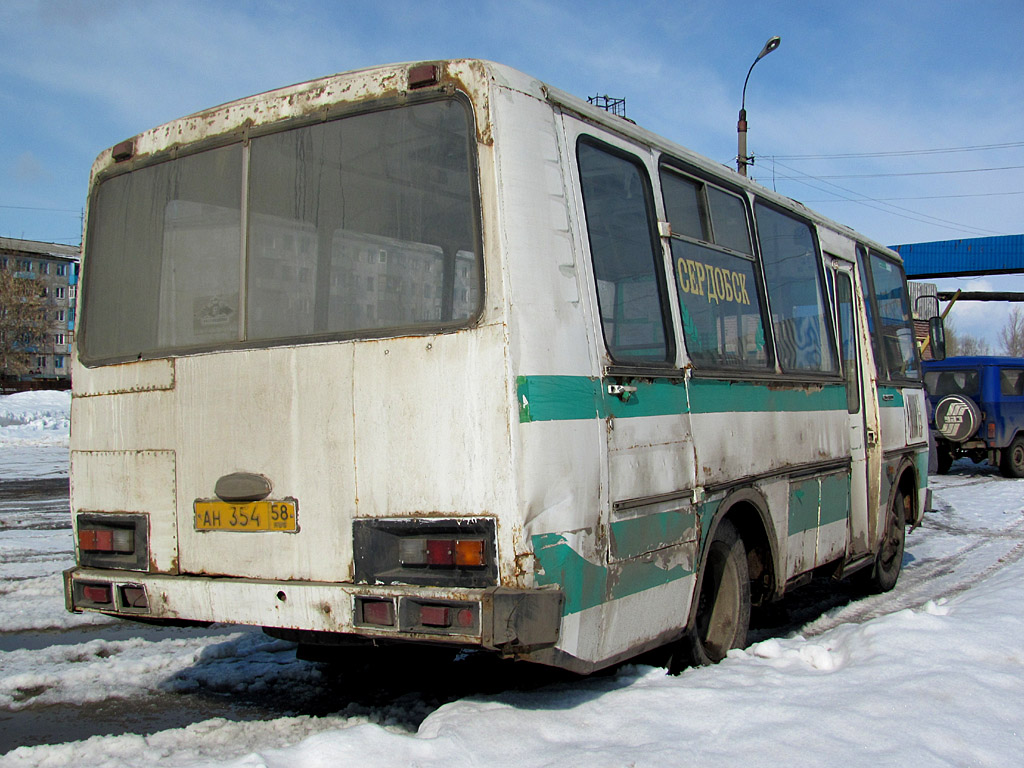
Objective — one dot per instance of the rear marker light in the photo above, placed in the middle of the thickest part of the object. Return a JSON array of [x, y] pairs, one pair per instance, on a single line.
[[97, 593], [423, 75], [378, 612], [134, 597], [991, 430], [435, 616]]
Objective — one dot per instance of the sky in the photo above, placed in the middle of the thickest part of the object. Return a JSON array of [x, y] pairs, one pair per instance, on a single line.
[[898, 118]]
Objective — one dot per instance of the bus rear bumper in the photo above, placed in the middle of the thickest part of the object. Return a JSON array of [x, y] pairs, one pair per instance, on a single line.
[[498, 618]]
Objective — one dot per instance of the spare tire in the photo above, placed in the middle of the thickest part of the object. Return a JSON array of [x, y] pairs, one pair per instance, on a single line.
[[957, 418]]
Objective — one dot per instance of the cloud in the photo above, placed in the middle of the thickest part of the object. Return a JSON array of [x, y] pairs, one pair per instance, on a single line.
[[29, 170]]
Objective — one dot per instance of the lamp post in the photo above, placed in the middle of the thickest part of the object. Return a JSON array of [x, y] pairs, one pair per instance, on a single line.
[[742, 159]]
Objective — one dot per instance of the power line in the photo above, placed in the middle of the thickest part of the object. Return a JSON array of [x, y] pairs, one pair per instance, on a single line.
[[35, 208], [925, 197], [866, 201], [905, 152], [915, 173]]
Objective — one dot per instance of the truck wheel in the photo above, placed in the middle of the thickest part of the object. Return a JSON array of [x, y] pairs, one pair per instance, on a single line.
[[1011, 462], [722, 613], [886, 571]]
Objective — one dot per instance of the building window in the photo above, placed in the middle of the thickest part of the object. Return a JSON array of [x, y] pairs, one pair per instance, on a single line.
[[59, 292], [59, 339], [40, 362], [73, 292], [61, 316], [58, 361], [62, 269], [44, 267]]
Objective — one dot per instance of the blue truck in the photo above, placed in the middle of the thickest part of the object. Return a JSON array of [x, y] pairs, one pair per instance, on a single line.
[[978, 410]]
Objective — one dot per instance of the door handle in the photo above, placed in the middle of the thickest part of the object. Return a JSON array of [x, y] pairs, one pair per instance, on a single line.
[[621, 391], [872, 438]]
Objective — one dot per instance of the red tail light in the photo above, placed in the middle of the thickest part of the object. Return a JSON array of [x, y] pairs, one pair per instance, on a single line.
[[435, 616], [120, 540], [379, 613], [97, 593]]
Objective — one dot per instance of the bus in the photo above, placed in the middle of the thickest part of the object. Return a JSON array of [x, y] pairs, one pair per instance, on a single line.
[[437, 354]]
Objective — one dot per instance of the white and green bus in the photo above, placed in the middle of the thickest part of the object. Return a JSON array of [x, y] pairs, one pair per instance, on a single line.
[[436, 353]]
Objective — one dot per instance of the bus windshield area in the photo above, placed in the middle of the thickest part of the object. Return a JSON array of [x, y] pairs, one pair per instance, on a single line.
[[363, 225]]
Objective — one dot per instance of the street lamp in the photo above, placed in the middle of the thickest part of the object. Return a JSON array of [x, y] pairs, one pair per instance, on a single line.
[[742, 159]]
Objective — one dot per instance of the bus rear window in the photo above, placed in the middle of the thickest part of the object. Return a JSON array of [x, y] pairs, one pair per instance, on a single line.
[[364, 225]]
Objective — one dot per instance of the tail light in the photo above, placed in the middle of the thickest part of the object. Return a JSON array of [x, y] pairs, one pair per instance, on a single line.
[[113, 540], [97, 593], [442, 553], [436, 552], [120, 540]]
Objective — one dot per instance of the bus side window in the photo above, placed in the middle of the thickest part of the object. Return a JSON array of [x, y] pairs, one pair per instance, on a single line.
[[792, 272], [848, 340], [715, 274], [895, 324], [626, 255], [869, 305]]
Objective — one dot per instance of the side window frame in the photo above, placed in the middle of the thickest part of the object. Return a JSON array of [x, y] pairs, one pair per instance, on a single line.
[[864, 255], [620, 363], [708, 241], [828, 324]]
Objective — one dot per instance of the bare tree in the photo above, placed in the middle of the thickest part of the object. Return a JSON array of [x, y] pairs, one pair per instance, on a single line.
[[1011, 335], [972, 345], [22, 323]]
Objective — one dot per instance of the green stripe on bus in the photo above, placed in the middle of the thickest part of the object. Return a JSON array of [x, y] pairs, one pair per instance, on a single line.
[[586, 584], [563, 398], [890, 397], [803, 505], [632, 538], [818, 501], [835, 498]]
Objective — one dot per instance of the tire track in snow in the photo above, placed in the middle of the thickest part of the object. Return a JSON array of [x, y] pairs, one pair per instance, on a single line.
[[936, 578]]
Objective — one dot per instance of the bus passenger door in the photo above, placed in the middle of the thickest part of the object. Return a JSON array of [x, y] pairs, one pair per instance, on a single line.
[[861, 405]]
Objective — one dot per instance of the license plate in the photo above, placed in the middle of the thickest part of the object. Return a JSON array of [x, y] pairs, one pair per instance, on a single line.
[[247, 516]]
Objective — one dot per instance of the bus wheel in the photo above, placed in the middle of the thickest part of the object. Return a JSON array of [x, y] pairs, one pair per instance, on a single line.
[[886, 571], [1011, 463], [722, 614]]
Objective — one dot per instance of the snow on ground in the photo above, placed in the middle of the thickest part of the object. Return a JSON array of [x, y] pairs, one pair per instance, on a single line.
[[930, 674], [34, 428]]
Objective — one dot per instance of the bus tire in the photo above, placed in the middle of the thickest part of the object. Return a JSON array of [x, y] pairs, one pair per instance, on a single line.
[[1011, 461], [721, 616], [886, 571]]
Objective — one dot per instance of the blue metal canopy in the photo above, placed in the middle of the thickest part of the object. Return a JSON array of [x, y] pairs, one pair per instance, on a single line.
[[970, 256]]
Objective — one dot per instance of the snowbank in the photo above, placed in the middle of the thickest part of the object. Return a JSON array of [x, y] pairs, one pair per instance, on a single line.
[[34, 431]]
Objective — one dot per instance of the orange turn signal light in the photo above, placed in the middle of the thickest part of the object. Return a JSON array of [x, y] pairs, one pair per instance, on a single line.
[[470, 553]]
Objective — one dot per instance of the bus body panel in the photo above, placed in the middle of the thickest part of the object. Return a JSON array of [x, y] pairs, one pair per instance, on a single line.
[[602, 483]]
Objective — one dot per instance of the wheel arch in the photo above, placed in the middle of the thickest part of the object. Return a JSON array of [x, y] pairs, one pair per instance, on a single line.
[[747, 509], [906, 482]]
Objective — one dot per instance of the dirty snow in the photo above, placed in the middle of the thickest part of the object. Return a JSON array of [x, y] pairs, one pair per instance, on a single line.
[[930, 674]]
